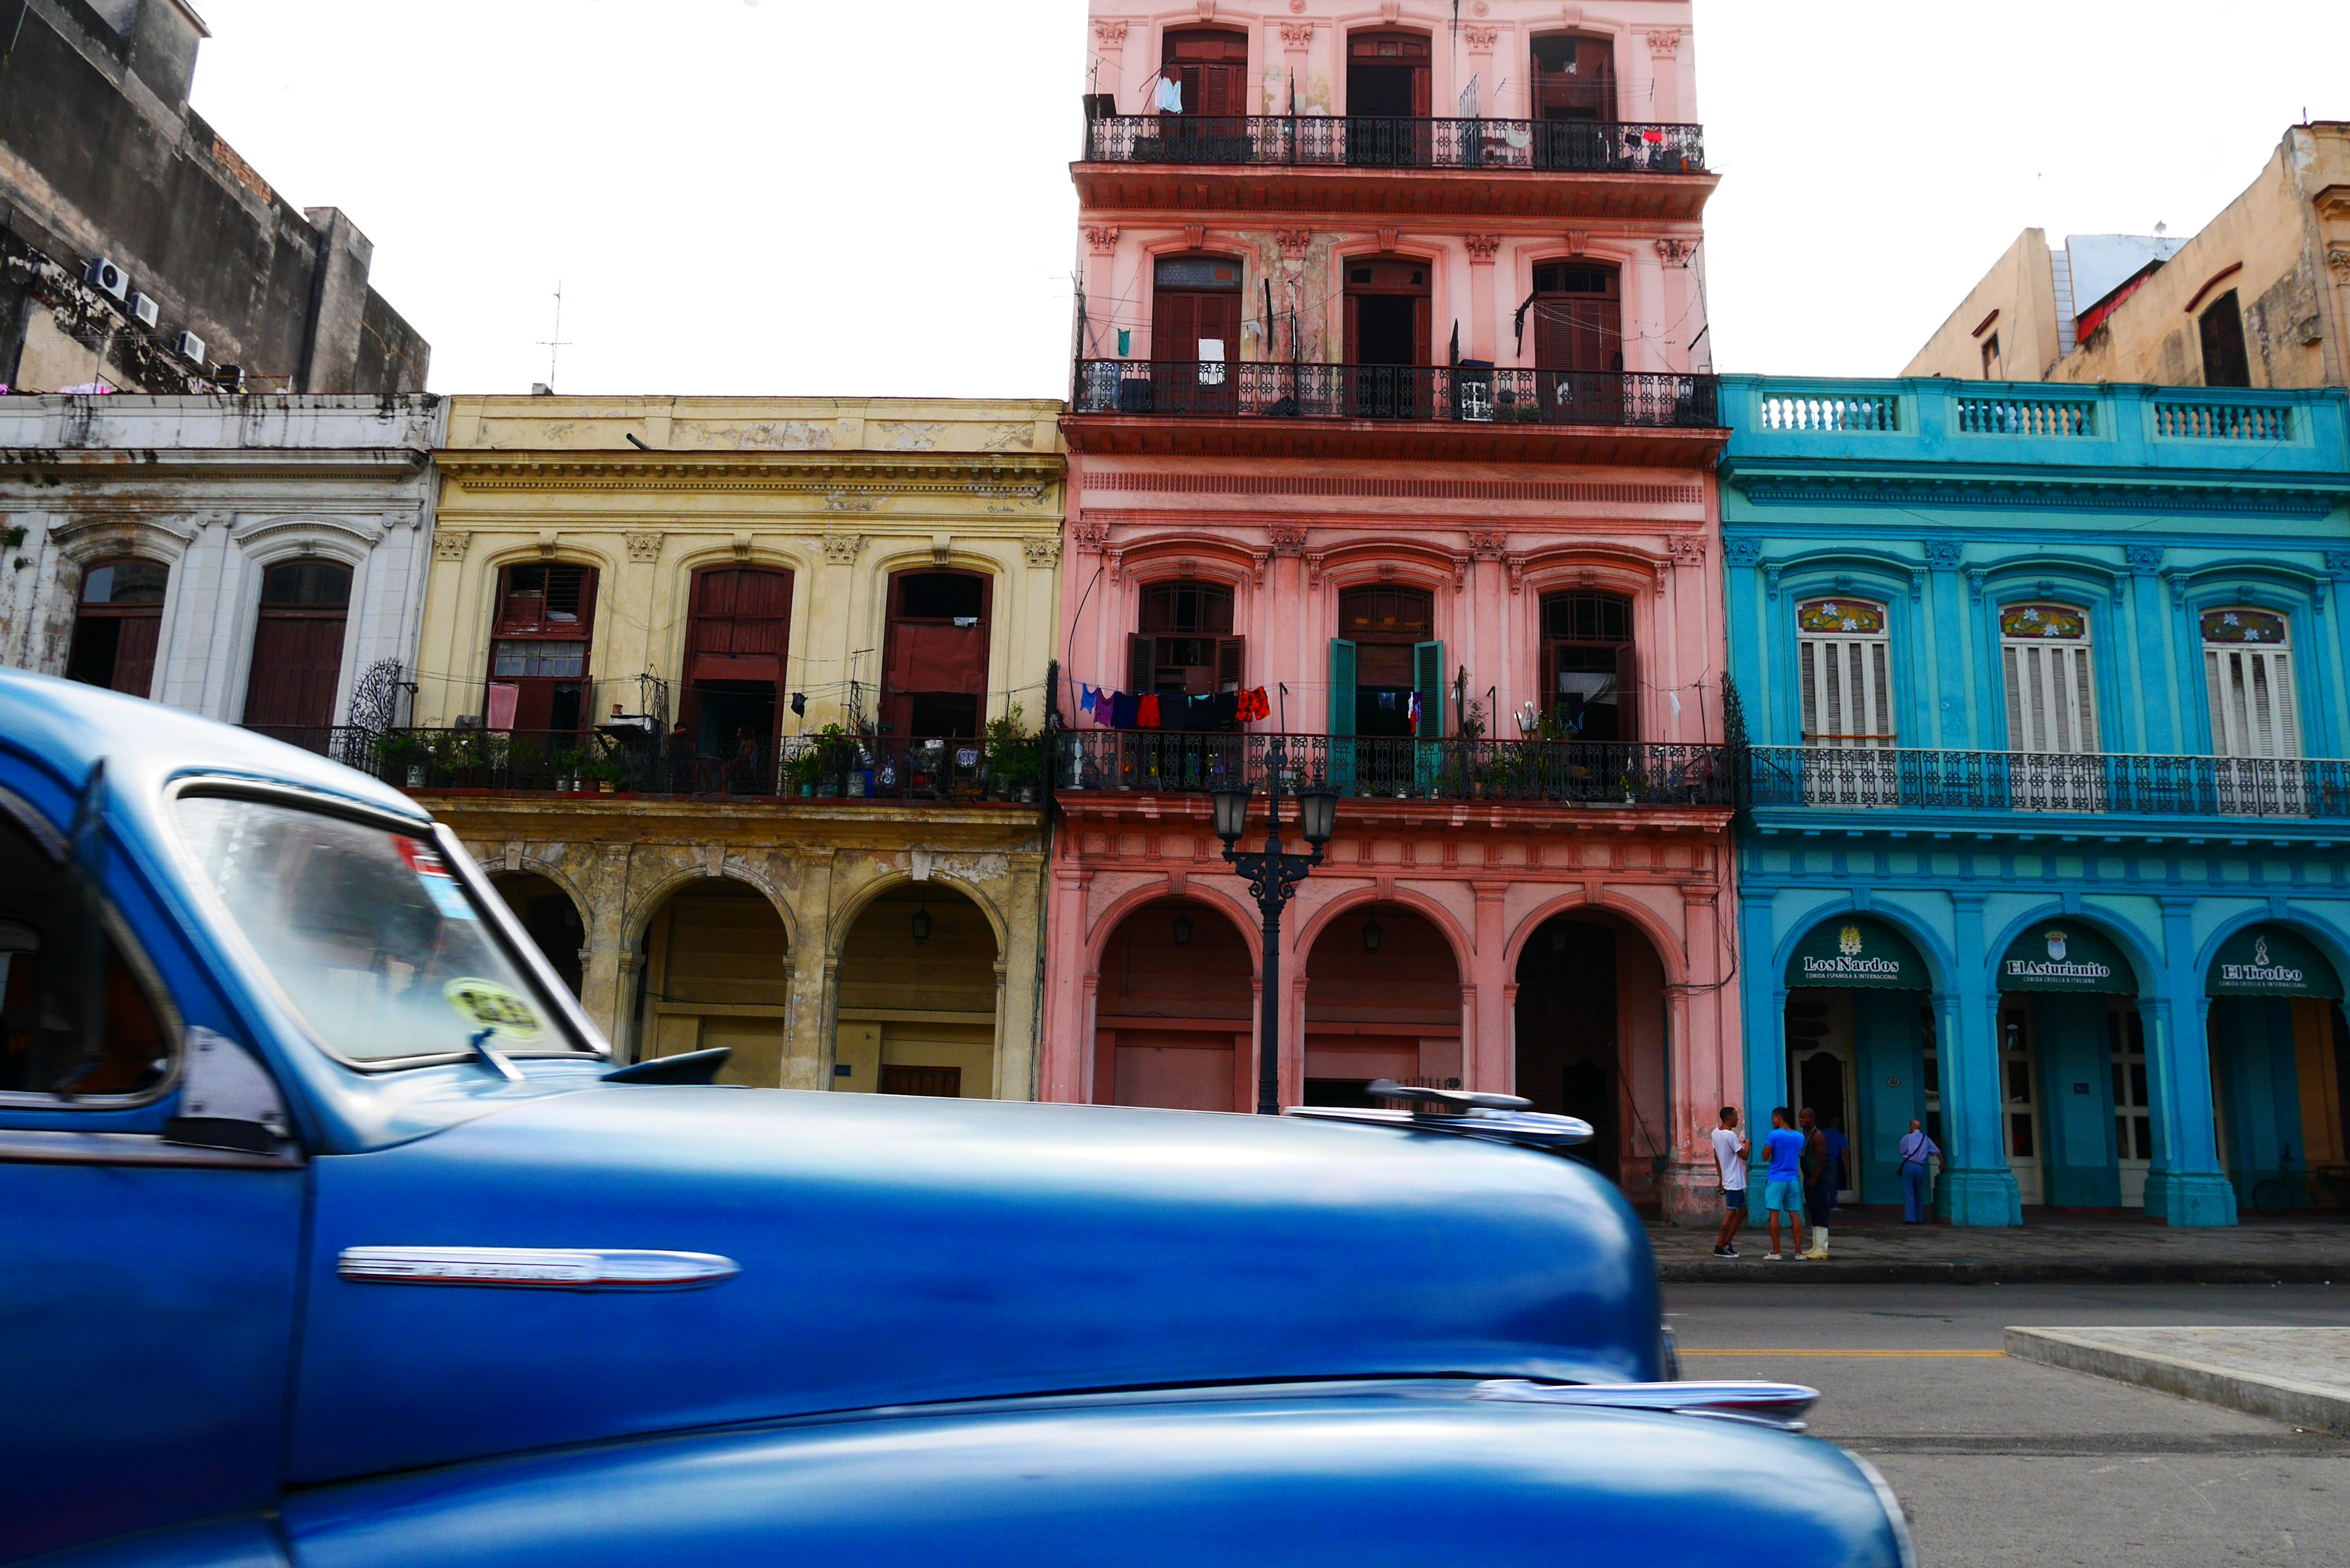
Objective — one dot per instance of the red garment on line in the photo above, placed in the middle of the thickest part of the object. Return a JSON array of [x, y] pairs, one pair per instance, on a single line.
[[1146, 713], [1253, 706]]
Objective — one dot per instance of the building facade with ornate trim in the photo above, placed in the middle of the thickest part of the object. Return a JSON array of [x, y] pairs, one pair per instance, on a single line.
[[258, 560], [1391, 432], [2047, 843], [727, 693]]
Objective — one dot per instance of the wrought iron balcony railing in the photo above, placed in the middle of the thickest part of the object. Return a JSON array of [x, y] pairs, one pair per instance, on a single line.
[[564, 761], [1859, 778], [1545, 772], [1455, 394], [1379, 141]]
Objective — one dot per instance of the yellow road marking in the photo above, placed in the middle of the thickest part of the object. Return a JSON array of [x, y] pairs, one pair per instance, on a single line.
[[1876, 1355]]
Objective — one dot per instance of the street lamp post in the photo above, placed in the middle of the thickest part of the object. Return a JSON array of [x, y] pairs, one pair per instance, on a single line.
[[1273, 877]]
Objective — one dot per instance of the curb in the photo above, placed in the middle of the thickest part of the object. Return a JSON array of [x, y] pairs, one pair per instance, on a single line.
[[2014, 1271], [2303, 1405]]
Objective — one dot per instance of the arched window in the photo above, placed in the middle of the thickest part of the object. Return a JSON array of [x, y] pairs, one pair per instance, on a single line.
[[2052, 702], [1589, 676], [541, 635], [1386, 664], [735, 644], [1183, 641], [298, 645], [934, 668], [1847, 673], [117, 624], [2248, 678]]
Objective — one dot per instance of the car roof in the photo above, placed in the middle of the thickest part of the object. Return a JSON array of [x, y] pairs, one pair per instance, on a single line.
[[71, 727]]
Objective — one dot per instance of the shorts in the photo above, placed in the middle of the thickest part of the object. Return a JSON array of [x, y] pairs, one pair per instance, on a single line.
[[1783, 1198], [1733, 1200]]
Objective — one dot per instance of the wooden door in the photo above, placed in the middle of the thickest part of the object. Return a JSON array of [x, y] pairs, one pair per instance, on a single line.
[[118, 626], [541, 638], [735, 645], [1575, 79], [934, 666], [1210, 65], [298, 645], [1390, 338]]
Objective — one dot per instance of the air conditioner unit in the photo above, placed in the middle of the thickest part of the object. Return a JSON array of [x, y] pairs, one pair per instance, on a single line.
[[189, 348], [229, 377], [103, 273], [146, 310]]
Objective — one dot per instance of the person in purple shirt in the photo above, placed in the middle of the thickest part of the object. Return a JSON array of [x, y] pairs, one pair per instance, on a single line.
[[1782, 1184]]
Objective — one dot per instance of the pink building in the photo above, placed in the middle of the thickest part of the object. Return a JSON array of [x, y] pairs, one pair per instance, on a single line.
[[1388, 403]]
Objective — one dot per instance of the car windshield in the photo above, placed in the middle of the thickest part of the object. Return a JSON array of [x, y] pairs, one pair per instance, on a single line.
[[367, 931]]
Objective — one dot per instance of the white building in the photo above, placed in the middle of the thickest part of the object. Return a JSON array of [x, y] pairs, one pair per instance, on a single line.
[[248, 558]]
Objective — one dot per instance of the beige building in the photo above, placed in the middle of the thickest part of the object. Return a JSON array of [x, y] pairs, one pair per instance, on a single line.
[[725, 692], [2260, 298]]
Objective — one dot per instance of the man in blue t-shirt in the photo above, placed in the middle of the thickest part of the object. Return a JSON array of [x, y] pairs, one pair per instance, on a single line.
[[1782, 1184]]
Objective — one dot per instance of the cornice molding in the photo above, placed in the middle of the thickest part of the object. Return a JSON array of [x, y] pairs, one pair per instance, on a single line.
[[987, 475], [2235, 497]]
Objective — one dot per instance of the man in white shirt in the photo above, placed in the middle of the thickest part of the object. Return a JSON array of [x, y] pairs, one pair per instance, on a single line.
[[1729, 1147]]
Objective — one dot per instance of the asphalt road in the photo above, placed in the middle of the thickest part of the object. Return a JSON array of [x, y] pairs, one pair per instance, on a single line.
[[2001, 1461]]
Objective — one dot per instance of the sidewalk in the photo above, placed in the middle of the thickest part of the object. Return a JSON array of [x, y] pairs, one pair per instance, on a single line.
[[2296, 1374], [1870, 1246]]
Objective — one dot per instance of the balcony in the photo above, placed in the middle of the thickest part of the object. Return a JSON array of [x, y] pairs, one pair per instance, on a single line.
[[1494, 774], [2059, 789], [882, 770], [1444, 411], [1320, 163]]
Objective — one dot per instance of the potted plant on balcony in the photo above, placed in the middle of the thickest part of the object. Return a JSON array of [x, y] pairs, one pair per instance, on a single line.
[[568, 765], [401, 756], [836, 753], [1014, 766], [802, 769], [606, 772]]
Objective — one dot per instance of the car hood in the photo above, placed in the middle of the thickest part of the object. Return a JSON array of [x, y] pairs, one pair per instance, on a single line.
[[897, 1250], [1359, 1477]]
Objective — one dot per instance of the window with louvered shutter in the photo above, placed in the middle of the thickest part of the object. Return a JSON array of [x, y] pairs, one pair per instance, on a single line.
[[2248, 682], [1846, 671], [2045, 664]]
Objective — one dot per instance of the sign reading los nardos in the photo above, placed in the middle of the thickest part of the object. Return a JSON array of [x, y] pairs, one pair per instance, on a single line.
[[1854, 950]]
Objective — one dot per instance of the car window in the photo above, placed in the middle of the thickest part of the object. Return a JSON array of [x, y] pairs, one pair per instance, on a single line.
[[74, 1021], [376, 944]]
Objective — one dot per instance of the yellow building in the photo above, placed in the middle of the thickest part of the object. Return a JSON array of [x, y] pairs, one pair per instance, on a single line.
[[726, 693], [2260, 297]]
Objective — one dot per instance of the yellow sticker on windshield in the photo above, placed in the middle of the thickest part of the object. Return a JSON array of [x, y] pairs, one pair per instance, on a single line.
[[486, 1004]]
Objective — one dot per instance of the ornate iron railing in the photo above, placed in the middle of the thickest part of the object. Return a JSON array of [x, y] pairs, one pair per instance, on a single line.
[[1859, 778], [1549, 773], [1381, 141], [606, 760], [1461, 394]]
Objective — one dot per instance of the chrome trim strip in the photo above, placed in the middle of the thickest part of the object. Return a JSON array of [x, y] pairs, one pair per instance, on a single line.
[[1532, 1129], [541, 1268], [1780, 1405], [26, 1146]]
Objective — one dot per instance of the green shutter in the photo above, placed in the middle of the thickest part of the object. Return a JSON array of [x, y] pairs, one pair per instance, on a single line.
[[1342, 686], [1428, 681]]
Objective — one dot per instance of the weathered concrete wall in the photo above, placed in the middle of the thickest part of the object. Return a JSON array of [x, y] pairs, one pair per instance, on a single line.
[[2016, 302], [218, 489], [100, 155]]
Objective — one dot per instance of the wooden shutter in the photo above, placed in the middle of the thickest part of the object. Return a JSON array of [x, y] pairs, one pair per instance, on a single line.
[[1342, 686], [1847, 694], [2051, 697], [1231, 662], [1627, 694], [1175, 328], [1141, 663], [1423, 342], [297, 664], [134, 654], [2253, 713], [1218, 318], [1428, 684]]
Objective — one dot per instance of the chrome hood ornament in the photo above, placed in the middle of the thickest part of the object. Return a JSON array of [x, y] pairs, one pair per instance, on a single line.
[[1460, 1113]]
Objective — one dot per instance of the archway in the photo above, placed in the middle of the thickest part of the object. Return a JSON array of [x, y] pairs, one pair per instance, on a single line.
[[1862, 1055], [1382, 1001], [2076, 1113], [717, 972], [1172, 1015], [547, 913], [2279, 1067], [918, 995], [1591, 1040]]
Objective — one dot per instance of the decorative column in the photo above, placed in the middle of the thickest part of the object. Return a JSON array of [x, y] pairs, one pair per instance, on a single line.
[[607, 973], [2185, 1185], [1101, 292], [1664, 75], [1977, 1187], [1678, 300], [1064, 1073], [1485, 1055], [1704, 1060], [1643, 349], [1297, 41], [1482, 327], [2146, 613], [1765, 1016], [1953, 718]]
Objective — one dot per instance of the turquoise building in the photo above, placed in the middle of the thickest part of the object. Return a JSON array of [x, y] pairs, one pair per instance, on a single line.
[[2046, 838]]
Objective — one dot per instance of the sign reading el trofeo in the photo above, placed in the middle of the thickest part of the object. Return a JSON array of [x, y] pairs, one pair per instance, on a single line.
[[1857, 951], [2268, 960], [2065, 956]]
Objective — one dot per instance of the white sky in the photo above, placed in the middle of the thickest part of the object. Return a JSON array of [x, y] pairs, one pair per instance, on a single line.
[[828, 197]]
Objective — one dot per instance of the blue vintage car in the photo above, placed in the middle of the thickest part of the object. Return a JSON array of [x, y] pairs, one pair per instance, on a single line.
[[333, 1238]]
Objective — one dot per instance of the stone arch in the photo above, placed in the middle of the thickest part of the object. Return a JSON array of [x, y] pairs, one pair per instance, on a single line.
[[643, 903], [1397, 1011], [1941, 965], [1175, 1003], [1108, 920], [1661, 936], [723, 942], [1458, 936], [561, 942], [871, 891], [2143, 956], [918, 990]]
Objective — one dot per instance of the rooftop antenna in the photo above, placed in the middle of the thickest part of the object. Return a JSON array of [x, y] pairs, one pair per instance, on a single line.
[[557, 344]]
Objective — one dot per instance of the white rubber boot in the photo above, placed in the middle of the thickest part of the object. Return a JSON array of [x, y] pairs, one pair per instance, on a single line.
[[1818, 1251]]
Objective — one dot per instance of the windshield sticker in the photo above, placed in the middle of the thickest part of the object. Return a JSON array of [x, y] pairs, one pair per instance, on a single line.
[[486, 1004], [433, 872]]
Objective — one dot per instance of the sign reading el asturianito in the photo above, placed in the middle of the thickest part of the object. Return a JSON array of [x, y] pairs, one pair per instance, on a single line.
[[1854, 950], [2064, 955], [2270, 960]]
